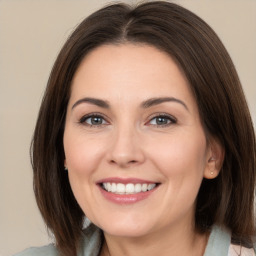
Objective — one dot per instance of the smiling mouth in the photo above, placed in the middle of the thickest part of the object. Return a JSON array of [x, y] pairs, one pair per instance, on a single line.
[[127, 189]]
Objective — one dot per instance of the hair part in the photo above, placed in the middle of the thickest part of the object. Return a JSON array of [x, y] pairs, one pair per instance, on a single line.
[[226, 200]]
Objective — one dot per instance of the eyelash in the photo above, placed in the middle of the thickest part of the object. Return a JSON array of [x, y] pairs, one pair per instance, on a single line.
[[170, 119], [93, 115]]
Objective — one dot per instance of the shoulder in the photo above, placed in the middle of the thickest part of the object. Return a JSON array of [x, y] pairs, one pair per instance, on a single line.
[[48, 250], [91, 245]]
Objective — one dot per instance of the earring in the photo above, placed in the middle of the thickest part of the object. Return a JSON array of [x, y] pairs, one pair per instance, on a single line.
[[211, 172], [65, 168]]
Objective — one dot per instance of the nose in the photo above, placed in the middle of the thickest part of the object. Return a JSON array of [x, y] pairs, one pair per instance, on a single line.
[[126, 148]]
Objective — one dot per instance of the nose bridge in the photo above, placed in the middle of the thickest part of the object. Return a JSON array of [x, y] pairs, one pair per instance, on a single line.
[[126, 148]]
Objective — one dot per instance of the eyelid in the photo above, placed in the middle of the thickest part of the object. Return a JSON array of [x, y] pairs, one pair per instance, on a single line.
[[82, 120], [172, 119], [90, 115]]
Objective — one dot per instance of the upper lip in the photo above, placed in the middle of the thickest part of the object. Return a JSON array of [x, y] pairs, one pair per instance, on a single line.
[[125, 180]]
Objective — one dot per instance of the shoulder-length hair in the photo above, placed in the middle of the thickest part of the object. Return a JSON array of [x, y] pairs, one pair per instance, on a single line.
[[226, 200]]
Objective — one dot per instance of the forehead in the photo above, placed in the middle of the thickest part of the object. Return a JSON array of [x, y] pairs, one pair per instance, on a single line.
[[129, 70]]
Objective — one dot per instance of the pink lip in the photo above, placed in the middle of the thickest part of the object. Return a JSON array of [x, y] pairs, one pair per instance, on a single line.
[[125, 198]]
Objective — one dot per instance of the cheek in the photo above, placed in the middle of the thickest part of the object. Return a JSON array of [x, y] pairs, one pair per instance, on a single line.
[[182, 163], [181, 158], [81, 154], [82, 159]]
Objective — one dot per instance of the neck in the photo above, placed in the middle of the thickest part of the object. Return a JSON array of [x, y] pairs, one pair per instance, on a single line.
[[168, 242]]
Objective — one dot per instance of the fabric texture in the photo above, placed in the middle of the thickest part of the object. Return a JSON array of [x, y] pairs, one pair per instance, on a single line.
[[218, 245], [235, 250]]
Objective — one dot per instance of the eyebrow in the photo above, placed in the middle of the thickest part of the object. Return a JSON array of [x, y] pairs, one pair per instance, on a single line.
[[145, 104], [93, 101], [156, 101]]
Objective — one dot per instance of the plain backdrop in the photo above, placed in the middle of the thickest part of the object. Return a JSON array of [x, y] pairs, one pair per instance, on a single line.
[[31, 34]]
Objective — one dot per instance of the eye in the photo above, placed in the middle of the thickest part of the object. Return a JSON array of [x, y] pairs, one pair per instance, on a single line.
[[162, 120], [93, 120]]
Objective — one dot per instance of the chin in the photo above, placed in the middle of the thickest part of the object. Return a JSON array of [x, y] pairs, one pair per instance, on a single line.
[[120, 232], [126, 229]]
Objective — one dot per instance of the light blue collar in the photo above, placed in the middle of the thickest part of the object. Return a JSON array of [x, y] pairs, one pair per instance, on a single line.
[[218, 243], [92, 241]]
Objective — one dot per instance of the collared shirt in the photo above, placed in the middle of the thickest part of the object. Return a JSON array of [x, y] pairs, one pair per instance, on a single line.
[[219, 244]]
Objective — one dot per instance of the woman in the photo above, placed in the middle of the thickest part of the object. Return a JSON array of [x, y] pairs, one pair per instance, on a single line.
[[144, 129]]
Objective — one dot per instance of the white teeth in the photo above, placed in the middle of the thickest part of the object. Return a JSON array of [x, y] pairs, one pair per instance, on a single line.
[[120, 188], [137, 188], [129, 188], [151, 186], [108, 187], [113, 187], [144, 187]]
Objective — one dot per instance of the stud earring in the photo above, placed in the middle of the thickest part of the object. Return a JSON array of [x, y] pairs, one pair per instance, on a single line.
[[65, 168], [211, 172]]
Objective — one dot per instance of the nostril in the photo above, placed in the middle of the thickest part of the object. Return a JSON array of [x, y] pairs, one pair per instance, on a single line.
[[123, 163]]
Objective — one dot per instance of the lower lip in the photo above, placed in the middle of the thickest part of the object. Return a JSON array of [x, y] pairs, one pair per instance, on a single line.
[[126, 198]]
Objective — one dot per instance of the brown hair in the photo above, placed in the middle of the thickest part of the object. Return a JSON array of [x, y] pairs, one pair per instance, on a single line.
[[226, 200]]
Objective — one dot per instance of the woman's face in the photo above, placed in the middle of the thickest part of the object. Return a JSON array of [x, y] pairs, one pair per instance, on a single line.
[[135, 149]]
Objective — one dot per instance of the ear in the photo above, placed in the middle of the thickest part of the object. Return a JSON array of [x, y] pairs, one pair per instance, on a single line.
[[214, 159]]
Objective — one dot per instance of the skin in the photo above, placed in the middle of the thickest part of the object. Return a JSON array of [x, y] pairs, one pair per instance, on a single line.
[[130, 142]]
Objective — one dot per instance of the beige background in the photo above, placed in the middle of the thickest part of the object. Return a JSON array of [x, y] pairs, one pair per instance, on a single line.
[[31, 34]]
